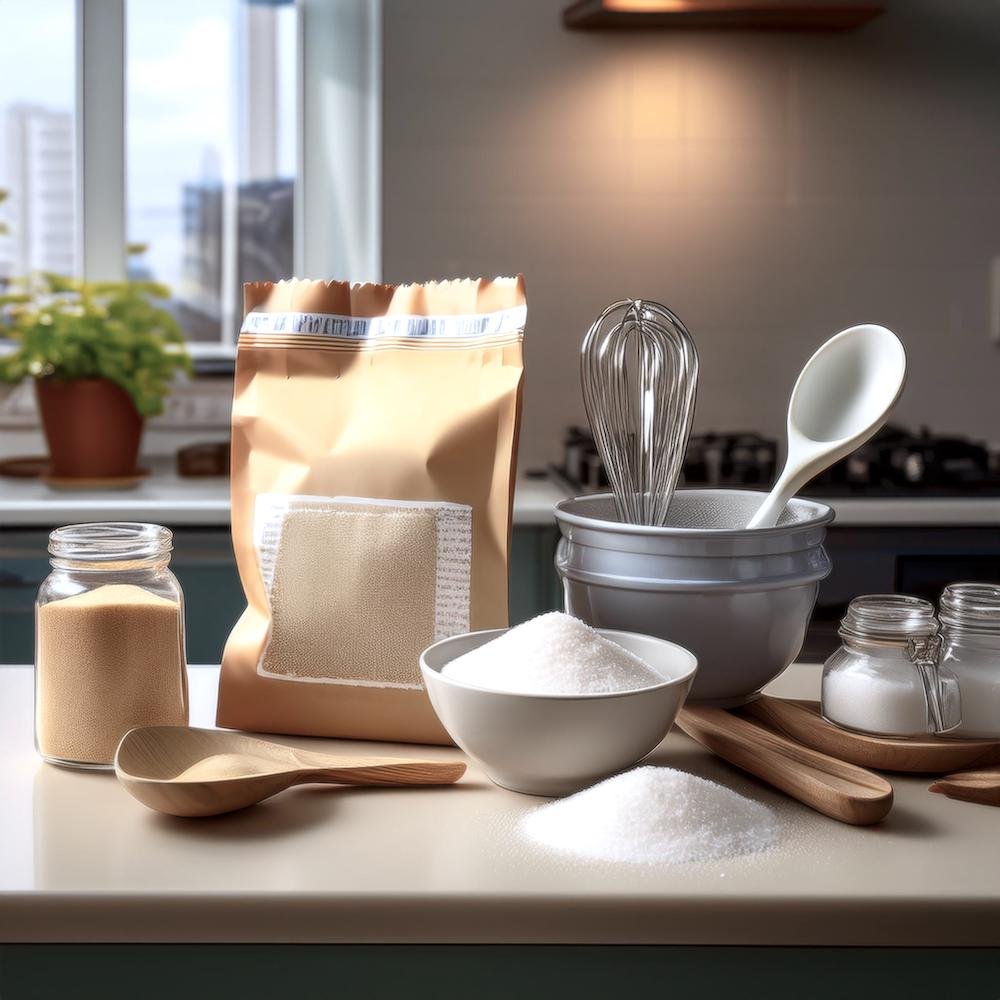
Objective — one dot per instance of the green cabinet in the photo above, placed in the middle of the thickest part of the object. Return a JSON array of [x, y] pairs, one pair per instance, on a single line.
[[534, 583], [203, 562]]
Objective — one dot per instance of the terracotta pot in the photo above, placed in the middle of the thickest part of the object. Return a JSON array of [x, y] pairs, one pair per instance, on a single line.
[[91, 425]]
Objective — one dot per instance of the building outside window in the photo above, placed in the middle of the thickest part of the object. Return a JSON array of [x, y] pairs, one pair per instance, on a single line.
[[214, 160], [210, 149], [37, 127]]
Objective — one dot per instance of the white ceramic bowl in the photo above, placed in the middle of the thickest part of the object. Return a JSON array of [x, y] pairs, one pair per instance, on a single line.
[[557, 744]]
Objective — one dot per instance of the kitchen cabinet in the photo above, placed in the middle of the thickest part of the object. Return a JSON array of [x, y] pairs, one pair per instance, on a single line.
[[491, 972], [534, 583], [876, 544], [897, 559], [203, 561], [885, 558]]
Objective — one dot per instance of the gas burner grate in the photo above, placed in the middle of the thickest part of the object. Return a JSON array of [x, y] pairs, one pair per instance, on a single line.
[[895, 463]]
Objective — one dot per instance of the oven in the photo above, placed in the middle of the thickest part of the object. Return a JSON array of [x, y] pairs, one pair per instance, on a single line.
[[886, 559]]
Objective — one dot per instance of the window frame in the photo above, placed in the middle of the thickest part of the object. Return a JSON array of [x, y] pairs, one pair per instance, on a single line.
[[338, 49]]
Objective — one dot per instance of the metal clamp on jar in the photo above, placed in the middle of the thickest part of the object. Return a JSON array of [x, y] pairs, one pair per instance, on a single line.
[[970, 640], [886, 679]]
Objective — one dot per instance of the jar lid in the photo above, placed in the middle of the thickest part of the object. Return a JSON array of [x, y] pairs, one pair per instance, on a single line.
[[110, 541], [889, 618], [972, 606]]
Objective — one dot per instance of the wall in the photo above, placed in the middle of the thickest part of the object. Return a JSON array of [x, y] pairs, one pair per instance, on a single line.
[[772, 189]]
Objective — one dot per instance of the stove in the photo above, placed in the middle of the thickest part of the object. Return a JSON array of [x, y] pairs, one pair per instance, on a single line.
[[896, 462]]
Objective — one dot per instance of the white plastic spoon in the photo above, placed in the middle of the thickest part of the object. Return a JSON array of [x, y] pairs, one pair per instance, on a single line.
[[843, 395]]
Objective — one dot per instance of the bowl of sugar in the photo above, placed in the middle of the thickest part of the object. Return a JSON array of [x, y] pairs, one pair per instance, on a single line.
[[552, 705]]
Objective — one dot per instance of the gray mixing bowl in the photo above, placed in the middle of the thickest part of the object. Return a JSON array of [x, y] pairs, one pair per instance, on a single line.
[[740, 599]]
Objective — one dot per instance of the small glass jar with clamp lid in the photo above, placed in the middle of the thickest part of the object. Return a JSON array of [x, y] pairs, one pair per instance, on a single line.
[[885, 679], [970, 648]]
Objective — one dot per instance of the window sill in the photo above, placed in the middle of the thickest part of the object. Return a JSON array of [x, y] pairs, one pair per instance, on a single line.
[[213, 360]]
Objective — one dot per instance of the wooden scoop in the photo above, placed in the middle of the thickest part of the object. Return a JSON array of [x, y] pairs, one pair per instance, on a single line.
[[838, 790], [204, 772], [971, 786]]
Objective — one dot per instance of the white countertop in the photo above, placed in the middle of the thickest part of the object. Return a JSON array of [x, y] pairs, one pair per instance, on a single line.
[[81, 861], [166, 498]]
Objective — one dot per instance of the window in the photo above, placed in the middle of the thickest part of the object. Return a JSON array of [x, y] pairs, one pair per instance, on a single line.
[[37, 129], [224, 140], [210, 100]]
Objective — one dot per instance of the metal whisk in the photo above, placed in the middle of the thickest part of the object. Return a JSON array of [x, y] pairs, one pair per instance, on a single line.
[[639, 370]]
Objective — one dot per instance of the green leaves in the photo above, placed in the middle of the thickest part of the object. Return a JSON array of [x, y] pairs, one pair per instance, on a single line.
[[69, 329]]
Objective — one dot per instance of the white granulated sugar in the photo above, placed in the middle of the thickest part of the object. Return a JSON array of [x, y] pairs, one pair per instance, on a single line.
[[553, 654], [653, 815]]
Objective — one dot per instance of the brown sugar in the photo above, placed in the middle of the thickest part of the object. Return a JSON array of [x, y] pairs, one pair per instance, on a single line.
[[107, 660]]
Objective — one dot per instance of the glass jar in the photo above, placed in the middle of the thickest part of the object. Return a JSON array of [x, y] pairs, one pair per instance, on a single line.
[[885, 678], [109, 641], [970, 648]]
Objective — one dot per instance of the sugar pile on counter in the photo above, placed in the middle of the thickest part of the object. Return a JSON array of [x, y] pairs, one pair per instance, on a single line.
[[653, 815], [553, 654]]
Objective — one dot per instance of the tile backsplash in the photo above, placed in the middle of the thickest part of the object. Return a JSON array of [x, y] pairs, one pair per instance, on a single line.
[[200, 403], [197, 410], [770, 188]]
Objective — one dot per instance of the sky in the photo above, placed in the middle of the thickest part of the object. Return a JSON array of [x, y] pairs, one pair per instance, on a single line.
[[44, 69], [180, 116], [181, 112]]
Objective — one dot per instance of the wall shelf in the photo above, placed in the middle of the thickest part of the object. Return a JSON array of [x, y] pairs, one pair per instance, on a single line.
[[742, 15]]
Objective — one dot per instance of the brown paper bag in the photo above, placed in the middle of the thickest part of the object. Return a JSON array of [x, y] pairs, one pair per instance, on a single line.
[[373, 452]]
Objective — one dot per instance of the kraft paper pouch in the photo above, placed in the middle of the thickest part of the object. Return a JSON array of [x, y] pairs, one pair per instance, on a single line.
[[374, 445]]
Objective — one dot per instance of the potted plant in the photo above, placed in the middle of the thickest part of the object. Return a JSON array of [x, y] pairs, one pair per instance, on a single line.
[[103, 356]]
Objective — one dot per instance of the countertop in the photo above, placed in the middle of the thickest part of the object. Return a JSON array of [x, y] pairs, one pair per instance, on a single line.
[[166, 498], [81, 861]]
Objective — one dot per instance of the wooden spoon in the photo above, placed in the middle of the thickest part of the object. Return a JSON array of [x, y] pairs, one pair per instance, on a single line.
[[801, 721], [838, 790], [972, 786], [204, 772]]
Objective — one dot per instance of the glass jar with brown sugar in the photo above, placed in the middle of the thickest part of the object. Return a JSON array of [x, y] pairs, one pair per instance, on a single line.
[[109, 641]]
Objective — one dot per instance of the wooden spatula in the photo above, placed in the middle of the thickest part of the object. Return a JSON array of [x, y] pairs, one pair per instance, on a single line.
[[981, 786], [802, 722], [841, 791], [204, 772]]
